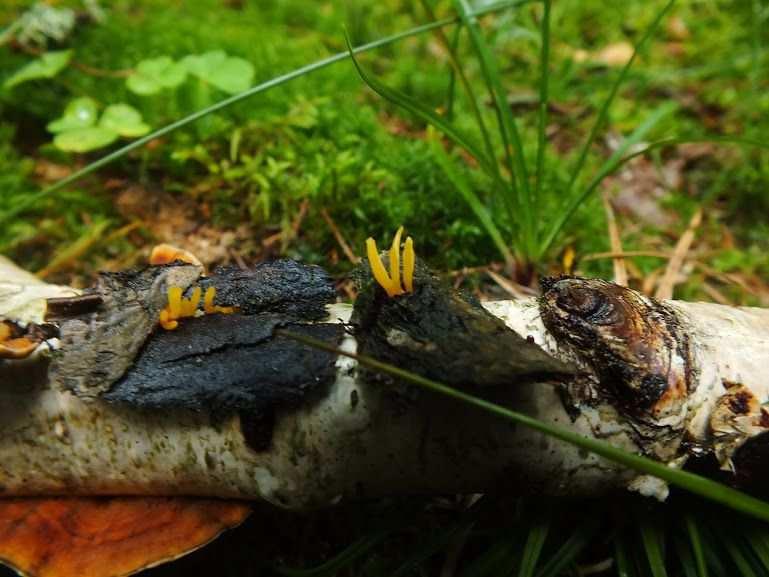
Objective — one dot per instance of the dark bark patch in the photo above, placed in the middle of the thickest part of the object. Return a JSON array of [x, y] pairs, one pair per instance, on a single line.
[[635, 344], [228, 363], [442, 334], [59, 309], [101, 336], [751, 465], [281, 286], [103, 331], [739, 403]]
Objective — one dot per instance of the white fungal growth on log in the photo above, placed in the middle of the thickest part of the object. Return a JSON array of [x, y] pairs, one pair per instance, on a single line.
[[359, 440]]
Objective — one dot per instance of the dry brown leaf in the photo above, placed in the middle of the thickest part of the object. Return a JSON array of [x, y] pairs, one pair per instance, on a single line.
[[107, 537]]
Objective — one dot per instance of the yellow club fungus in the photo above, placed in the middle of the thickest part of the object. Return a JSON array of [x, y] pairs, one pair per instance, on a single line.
[[208, 303], [179, 307], [391, 282]]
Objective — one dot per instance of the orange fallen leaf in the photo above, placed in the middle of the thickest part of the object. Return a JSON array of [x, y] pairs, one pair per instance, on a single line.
[[107, 537]]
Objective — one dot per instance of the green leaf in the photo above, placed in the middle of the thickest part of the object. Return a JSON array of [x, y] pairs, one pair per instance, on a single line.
[[47, 66], [85, 139], [534, 543], [79, 113], [156, 74], [227, 73], [125, 120]]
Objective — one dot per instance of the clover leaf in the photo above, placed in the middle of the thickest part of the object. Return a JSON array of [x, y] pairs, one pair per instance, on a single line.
[[85, 139], [47, 66], [79, 113], [125, 120], [155, 74], [77, 130], [227, 73]]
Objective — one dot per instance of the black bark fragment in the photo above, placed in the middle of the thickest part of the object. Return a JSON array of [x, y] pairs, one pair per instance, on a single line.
[[284, 286], [102, 334], [228, 363], [442, 334]]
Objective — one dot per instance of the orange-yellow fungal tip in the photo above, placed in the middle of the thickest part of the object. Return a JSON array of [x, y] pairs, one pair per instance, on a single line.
[[5, 332], [166, 322], [208, 300], [174, 302], [395, 262], [377, 268], [409, 262], [190, 305], [166, 254], [210, 307]]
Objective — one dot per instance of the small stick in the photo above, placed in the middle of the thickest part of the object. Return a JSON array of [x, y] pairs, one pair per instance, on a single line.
[[620, 270], [506, 285], [339, 238], [669, 279]]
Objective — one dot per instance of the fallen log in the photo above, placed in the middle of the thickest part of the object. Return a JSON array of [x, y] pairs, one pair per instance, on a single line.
[[109, 403]]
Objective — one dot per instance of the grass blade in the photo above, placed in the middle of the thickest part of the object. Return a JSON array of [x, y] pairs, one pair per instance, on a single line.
[[472, 200], [691, 482], [507, 125], [498, 559], [625, 566], [652, 537], [758, 538], [534, 543], [452, 87], [423, 112], [738, 556], [685, 558], [30, 199], [695, 540], [456, 67], [613, 93], [434, 544], [343, 559], [544, 63], [608, 167], [580, 539]]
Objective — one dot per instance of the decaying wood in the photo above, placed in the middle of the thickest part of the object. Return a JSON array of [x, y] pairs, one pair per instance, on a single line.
[[673, 380]]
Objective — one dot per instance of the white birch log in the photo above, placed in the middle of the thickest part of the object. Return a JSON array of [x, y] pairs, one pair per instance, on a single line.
[[357, 441]]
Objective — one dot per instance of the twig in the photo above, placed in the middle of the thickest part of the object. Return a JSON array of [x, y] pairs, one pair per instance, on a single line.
[[626, 254], [715, 294], [669, 279], [511, 288], [339, 238], [620, 270]]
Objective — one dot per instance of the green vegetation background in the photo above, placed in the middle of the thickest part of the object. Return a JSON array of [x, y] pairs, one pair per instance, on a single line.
[[328, 139], [268, 167]]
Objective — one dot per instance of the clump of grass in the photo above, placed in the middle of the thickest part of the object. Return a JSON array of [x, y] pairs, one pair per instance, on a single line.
[[535, 207]]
